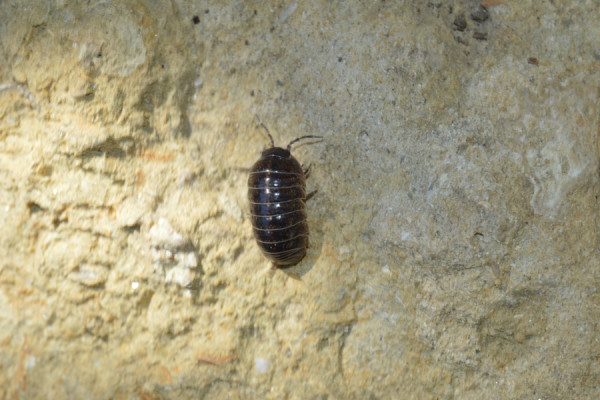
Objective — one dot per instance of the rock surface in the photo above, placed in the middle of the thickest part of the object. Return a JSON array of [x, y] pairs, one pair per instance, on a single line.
[[454, 235]]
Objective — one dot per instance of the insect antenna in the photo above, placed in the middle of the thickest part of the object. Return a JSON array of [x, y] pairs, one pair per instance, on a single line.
[[266, 129], [289, 146]]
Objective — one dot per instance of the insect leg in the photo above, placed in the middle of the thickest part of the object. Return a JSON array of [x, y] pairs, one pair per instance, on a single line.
[[308, 196], [307, 171]]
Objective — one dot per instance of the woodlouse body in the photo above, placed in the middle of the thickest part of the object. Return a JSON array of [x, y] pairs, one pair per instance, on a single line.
[[277, 195]]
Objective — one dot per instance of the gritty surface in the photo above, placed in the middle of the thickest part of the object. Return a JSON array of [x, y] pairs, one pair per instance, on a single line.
[[454, 235]]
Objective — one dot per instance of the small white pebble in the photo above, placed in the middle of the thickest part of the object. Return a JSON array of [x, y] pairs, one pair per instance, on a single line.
[[288, 11], [135, 285], [89, 276], [179, 275], [188, 259], [344, 250], [30, 362], [185, 176], [385, 269], [261, 365], [163, 235]]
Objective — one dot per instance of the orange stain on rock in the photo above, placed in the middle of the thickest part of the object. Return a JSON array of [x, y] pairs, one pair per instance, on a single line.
[[215, 359], [151, 155]]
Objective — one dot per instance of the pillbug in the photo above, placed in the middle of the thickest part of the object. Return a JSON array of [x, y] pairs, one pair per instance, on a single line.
[[277, 196]]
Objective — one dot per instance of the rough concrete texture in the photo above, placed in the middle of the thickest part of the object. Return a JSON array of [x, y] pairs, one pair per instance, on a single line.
[[454, 235]]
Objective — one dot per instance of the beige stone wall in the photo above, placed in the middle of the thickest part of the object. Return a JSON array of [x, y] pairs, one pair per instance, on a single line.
[[454, 235]]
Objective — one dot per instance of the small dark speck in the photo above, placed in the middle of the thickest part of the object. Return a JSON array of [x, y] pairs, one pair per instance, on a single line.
[[480, 14], [272, 29], [533, 61], [132, 228], [34, 207], [206, 11], [480, 35], [460, 22], [279, 83], [255, 12], [252, 93], [246, 42], [477, 351], [340, 59], [196, 20]]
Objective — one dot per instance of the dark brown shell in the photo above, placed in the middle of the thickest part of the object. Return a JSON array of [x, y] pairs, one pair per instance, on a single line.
[[277, 192]]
